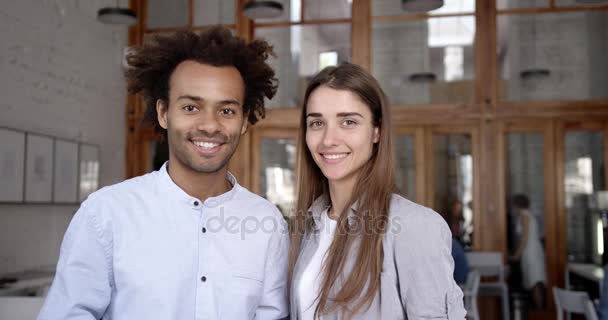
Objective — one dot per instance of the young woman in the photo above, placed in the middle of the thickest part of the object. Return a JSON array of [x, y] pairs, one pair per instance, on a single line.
[[359, 251]]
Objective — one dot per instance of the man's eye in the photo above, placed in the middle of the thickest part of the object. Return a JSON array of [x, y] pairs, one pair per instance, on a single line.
[[189, 108], [227, 111]]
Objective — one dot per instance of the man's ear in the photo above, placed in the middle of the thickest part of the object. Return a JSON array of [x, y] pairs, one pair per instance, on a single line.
[[245, 123], [161, 111], [376, 134]]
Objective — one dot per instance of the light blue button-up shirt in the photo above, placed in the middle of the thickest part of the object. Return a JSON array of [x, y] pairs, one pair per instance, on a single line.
[[144, 249]]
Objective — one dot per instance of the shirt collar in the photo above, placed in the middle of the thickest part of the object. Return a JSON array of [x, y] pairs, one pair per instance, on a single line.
[[322, 203], [167, 183]]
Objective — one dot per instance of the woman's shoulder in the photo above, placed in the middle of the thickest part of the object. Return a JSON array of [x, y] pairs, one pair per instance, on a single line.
[[406, 209], [414, 219]]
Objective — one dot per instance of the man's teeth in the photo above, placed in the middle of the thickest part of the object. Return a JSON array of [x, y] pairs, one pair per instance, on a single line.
[[334, 156], [206, 144]]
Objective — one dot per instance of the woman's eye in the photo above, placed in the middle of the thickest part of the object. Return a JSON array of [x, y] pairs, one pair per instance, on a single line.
[[315, 124], [349, 123]]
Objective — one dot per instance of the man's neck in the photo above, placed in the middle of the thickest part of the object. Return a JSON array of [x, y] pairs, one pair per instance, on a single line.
[[200, 185]]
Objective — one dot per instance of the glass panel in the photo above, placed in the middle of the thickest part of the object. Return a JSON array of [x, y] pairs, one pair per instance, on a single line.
[[557, 56], [525, 183], [323, 9], [453, 166], [406, 166], [584, 175], [210, 12], [393, 7], [292, 11], [277, 172], [521, 4], [167, 14], [405, 54], [300, 50]]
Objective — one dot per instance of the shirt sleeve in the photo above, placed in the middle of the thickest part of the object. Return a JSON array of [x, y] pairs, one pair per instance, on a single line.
[[274, 303], [82, 285], [425, 269]]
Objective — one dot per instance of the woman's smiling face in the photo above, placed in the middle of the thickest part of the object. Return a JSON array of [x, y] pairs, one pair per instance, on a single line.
[[339, 132]]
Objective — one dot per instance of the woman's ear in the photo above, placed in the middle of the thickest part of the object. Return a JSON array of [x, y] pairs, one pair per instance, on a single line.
[[376, 134]]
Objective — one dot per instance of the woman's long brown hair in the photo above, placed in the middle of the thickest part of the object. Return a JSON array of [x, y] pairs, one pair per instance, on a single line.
[[372, 194]]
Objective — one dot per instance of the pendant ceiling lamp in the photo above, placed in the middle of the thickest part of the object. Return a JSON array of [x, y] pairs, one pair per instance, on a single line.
[[424, 74], [421, 5], [534, 71], [262, 9], [116, 15]]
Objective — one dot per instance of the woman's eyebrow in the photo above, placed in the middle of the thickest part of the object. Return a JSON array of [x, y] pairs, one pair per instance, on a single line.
[[314, 115], [349, 114]]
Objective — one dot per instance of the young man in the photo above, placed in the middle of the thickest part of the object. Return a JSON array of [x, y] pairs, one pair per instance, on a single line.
[[184, 242]]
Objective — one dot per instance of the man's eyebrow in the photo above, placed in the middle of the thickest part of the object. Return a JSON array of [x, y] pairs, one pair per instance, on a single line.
[[229, 101], [190, 97], [199, 99]]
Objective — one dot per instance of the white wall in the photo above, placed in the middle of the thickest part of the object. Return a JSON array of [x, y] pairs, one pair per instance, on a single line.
[[60, 75]]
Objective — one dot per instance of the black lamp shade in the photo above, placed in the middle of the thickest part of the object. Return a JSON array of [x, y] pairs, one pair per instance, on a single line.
[[115, 15], [534, 73], [422, 77], [421, 5], [262, 9]]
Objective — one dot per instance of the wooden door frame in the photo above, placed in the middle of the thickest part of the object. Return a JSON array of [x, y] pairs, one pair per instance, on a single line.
[[256, 156], [473, 130], [561, 128], [547, 129]]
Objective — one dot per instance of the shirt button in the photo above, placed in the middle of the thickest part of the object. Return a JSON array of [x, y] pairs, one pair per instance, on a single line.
[[196, 203], [203, 278], [204, 229]]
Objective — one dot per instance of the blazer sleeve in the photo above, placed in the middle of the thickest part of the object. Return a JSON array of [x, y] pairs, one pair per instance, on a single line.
[[425, 267]]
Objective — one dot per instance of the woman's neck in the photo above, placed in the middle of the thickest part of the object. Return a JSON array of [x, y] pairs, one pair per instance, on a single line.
[[340, 192]]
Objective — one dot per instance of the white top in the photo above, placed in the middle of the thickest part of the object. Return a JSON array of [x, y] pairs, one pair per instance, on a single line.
[[309, 286], [145, 249]]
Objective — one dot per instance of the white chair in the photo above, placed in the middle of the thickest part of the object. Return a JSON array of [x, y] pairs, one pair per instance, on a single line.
[[573, 302], [20, 308], [489, 264], [470, 290]]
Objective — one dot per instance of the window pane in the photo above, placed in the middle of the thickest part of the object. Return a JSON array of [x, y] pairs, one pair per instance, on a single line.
[[525, 179], [406, 166], [292, 11], [557, 56], [277, 175], [210, 12], [299, 50], [323, 9], [453, 166], [167, 14], [584, 175], [425, 61], [393, 7], [521, 4]]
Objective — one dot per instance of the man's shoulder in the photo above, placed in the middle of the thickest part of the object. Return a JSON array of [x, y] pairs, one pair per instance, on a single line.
[[123, 190]]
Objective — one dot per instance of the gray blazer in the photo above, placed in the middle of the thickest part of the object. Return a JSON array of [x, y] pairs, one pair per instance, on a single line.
[[417, 272]]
